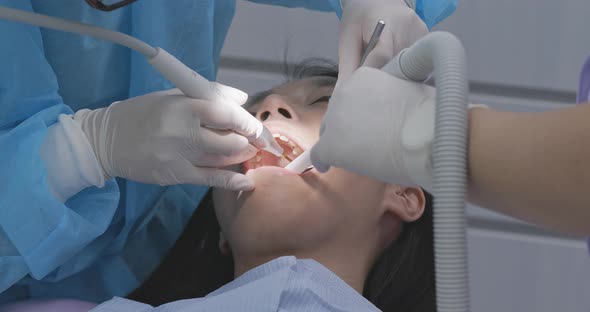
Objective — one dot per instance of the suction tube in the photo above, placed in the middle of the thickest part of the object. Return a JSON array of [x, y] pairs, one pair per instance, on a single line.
[[444, 53]]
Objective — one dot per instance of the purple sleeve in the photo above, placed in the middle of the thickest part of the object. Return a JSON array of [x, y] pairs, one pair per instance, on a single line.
[[53, 305], [584, 84], [584, 94]]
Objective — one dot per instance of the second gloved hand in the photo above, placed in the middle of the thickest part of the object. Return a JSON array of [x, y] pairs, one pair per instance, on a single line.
[[379, 126], [402, 28], [161, 138]]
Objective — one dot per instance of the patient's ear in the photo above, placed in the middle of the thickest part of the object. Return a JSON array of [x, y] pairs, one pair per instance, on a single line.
[[405, 202], [224, 245]]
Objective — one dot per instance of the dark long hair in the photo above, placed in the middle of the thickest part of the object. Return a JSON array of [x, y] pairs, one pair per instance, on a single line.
[[401, 280]]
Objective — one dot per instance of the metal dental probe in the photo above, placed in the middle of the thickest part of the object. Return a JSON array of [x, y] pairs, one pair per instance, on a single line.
[[373, 41], [302, 164]]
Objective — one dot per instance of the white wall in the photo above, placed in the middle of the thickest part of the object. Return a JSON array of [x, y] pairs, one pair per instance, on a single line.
[[523, 55]]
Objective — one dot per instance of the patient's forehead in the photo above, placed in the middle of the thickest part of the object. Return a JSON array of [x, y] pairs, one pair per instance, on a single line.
[[297, 89]]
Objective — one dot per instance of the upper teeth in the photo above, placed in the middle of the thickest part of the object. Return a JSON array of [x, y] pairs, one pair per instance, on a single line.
[[285, 159], [284, 138], [295, 149]]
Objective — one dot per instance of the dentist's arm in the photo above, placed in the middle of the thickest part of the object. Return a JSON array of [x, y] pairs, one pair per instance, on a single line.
[[533, 166]]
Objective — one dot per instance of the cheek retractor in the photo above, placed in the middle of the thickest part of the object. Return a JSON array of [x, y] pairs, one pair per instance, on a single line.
[[302, 163]]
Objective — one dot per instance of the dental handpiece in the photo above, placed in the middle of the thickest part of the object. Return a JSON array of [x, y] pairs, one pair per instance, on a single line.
[[303, 163], [196, 86], [188, 81]]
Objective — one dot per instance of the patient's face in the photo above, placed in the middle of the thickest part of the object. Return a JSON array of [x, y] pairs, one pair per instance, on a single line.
[[288, 211]]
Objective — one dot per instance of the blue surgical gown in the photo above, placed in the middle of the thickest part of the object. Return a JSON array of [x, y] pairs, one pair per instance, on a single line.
[[101, 242]]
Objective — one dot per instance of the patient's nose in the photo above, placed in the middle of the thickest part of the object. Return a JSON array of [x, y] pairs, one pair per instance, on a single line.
[[274, 107]]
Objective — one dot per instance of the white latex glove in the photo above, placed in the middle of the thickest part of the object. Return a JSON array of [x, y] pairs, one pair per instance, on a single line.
[[359, 18], [381, 127], [160, 138]]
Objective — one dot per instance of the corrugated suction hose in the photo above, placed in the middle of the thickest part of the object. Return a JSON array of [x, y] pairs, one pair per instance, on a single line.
[[444, 53]]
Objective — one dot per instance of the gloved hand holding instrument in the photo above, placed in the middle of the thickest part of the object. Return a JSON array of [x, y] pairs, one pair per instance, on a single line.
[[177, 136], [393, 133], [168, 138]]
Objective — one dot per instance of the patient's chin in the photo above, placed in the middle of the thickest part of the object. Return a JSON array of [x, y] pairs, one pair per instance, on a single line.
[[277, 196], [267, 180]]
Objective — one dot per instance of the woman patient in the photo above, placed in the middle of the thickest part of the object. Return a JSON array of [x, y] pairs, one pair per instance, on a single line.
[[363, 237]]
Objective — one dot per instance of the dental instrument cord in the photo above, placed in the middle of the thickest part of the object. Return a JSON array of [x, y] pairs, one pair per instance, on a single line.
[[80, 28]]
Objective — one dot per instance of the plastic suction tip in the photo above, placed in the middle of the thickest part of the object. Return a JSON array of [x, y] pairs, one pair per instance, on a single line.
[[269, 143], [301, 163], [318, 165]]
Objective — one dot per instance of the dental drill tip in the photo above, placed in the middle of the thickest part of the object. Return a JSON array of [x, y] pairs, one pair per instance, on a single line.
[[301, 163], [307, 169], [270, 144]]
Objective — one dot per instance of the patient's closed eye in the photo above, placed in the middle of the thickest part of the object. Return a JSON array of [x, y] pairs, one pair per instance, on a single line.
[[322, 99]]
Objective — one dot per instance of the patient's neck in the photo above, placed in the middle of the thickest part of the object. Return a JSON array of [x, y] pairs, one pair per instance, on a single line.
[[351, 265]]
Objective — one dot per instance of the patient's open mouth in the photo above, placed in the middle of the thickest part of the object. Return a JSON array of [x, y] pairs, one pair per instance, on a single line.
[[263, 158]]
